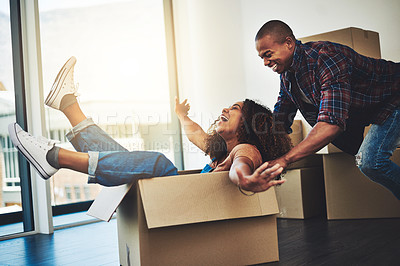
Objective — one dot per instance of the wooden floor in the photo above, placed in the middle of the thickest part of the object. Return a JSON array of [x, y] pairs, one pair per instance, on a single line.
[[92, 244], [301, 242]]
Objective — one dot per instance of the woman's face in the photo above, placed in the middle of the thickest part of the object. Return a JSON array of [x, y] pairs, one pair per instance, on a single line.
[[229, 121]]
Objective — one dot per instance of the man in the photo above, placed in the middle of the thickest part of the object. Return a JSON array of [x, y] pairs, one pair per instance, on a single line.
[[339, 92]]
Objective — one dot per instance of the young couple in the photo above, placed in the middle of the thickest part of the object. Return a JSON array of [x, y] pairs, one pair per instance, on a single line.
[[242, 138]]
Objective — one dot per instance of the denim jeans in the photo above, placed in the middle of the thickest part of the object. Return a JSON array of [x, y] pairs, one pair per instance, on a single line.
[[110, 164], [373, 157]]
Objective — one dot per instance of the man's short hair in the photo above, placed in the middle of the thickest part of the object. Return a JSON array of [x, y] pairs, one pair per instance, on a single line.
[[276, 28]]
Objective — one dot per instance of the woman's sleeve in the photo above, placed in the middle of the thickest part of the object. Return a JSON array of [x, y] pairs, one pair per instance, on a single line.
[[249, 151]]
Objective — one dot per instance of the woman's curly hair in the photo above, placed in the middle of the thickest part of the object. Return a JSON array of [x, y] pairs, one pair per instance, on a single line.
[[257, 128]]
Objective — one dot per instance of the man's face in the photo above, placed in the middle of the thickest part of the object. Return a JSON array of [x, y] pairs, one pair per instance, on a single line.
[[276, 56]]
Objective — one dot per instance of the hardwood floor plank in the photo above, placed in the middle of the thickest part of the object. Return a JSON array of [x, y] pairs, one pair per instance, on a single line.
[[314, 241]]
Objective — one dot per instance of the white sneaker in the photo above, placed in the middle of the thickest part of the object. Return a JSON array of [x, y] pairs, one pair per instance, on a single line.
[[64, 84], [34, 149]]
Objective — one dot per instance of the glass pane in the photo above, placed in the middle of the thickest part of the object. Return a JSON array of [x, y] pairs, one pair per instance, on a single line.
[[10, 192], [122, 74]]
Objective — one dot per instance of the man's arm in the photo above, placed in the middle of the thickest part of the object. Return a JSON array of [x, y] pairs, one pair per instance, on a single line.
[[321, 134], [263, 177]]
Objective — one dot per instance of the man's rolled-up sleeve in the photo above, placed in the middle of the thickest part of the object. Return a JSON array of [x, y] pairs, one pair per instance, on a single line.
[[334, 73]]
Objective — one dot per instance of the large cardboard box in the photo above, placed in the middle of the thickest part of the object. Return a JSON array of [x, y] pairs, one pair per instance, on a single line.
[[351, 195], [302, 195], [196, 219]]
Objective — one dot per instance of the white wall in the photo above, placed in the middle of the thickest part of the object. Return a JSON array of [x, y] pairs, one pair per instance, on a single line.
[[210, 62], [217, 60]]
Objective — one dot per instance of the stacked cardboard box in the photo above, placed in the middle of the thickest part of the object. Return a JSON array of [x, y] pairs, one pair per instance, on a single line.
[[303, 194]]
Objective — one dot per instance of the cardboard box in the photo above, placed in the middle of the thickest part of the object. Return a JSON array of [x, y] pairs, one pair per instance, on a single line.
[[362, 41], [196, 219], [328, 149], [303, 194], [351, 195], [297, 134], [296, 137]]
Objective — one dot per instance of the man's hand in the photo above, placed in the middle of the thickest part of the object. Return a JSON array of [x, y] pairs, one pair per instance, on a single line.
[[262, 178]]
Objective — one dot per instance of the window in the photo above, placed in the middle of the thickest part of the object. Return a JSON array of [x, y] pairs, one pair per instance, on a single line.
[[86, 191], [10, 164], [9, 171], [68, 194], [15, 194], [77, 190], [122, 73]]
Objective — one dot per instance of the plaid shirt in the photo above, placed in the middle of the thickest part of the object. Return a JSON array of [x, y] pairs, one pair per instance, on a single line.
[[341, 84]]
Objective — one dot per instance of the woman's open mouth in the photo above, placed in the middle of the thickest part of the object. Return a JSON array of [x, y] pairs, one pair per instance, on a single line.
[[223, 118]]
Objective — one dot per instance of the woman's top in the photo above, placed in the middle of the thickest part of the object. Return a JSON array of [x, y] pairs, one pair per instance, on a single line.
[[208, 168], [241, 150]]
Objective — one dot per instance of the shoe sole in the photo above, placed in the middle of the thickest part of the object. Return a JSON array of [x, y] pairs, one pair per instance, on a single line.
[[14, 138], [57, 85]]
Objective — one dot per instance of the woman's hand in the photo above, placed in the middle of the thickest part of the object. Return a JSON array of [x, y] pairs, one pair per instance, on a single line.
[[181, 109], [262, 178], [193, 131]]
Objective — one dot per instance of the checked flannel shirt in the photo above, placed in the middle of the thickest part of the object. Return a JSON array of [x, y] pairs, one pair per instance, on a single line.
[[342, 86]]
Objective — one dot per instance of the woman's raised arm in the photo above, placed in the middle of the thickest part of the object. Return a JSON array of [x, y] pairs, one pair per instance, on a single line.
[[193, 131]]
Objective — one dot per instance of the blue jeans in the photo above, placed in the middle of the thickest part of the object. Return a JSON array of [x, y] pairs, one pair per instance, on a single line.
[[373, 157], [110, 164]]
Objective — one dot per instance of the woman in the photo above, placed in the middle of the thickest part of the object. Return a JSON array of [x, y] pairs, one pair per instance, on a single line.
[[239, 141]]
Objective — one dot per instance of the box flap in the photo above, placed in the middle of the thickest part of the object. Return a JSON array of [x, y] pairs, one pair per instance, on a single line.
[[107, 201], [195, 198]]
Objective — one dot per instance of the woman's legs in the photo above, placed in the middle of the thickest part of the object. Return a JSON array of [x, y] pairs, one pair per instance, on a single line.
[[117, 168], [85, 135], [114, 167], [74, 114], [78, 161], [106, 168], [105, 160]]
